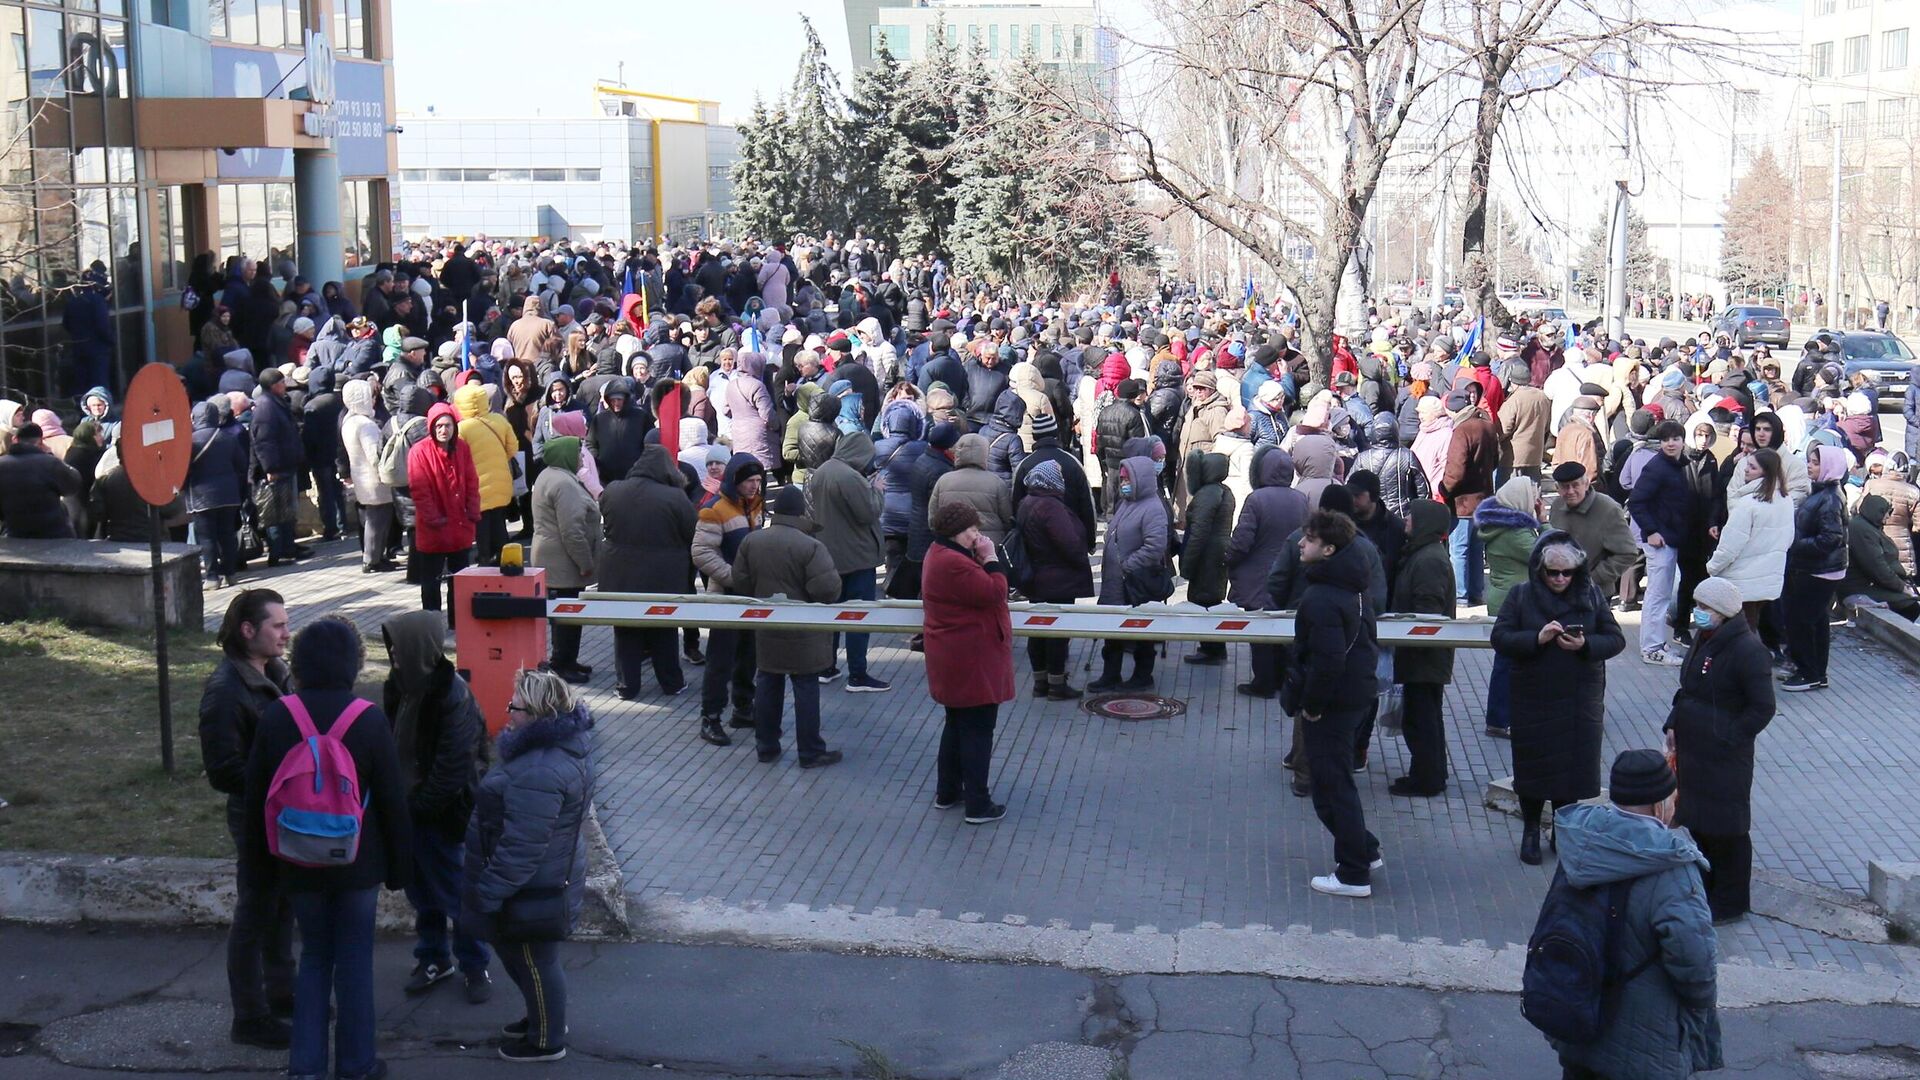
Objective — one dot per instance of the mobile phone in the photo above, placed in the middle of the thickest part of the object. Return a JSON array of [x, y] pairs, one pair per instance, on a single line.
[[1573, 629]]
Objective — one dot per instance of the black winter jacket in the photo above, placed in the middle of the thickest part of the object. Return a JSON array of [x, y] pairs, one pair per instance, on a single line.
[[276, 435], [230, 706], [1424, 584], [1725, 700], [649, 523], [1819, 532], [926, 472], [1203, 559], [1335, 647], [449, 753], [32, 487], [1079, 494], [1056, 542]]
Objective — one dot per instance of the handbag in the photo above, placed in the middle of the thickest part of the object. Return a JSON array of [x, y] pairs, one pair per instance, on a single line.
[[1391, 717], [1149, 587], [514, 468], [539, 913]]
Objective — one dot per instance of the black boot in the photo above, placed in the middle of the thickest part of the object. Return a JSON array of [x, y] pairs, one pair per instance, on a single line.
[[1039, 684], [1059, 689], [1109, 676], [711, 731], [1530, 846]]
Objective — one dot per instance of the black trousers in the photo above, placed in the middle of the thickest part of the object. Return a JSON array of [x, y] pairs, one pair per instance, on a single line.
[[966, 750], [1424, 728], [426, 569], [1808, 600], [1693, 571], [769, 702], [730, 661], [492, 535], [1730, 879], [566, 639], [259, 947], [1112, 652], [218, 534], [633, 647], [534, 967], [1047, 656], [1329, 747], [1269, 666]]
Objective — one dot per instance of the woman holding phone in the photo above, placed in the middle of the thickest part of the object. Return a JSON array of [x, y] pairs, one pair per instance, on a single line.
[[1557, 633]]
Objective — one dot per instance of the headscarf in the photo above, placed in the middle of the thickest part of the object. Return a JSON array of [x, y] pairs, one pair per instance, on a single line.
[[49, 422], [1519, 493], [562, 452]]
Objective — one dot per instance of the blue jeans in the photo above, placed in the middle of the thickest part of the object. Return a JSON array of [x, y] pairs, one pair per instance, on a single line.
[[332, 500], [336, 965], [1498, 694], [1469, 558], [435, 896], [858, 585]]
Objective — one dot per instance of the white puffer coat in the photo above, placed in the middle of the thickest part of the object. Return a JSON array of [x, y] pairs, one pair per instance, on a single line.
[[360, 434], [1754, 541]]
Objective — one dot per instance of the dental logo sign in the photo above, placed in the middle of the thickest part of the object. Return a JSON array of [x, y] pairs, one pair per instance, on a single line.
[[320, 121]]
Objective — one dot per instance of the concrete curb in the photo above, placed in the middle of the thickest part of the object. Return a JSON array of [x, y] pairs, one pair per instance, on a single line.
[[1888, 629], [138, 889]]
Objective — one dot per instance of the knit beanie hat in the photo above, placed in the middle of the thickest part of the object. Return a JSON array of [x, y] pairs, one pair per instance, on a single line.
[[943, 436], [1640, 778], [1047, 479], [1044, 424], [1719, 596]]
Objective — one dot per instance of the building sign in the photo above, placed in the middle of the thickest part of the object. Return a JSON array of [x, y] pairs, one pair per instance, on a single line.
[[355, 117], [320, 68]]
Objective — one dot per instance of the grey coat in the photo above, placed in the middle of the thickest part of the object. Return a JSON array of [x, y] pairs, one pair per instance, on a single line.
[[1137, 535], [566, 530], [1273, 511], [971, 482], [786, 560], [528, 815], [1663, 1025]]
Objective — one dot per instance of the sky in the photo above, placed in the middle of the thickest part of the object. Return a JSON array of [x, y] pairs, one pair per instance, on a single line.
[[451, 56]]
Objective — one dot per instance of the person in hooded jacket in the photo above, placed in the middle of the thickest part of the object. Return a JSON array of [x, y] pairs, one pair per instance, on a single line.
[[445, 492], [1005, 448], [566, 543], [494, 448], [804, 427], [1558, 632], [904, 440], [726, 518], [527, 833], [278, 460], [1056, 546], [1166, 411], [1424, 585], [618, 430], [1724, 701], [1873, 563], [1317, 465], [1706, 512], [847, 509], [649, 525], [1816, 565], [441, 739], [1661, 1025], [942, 366], [1273, 511], [1137, 550], [935, 463], [1121, 419], [787, 559], [216, 490], [320, 442], [1203, 555], [970, 482], [1402, 481], [749, 410], [1333, 687], [361, 439]]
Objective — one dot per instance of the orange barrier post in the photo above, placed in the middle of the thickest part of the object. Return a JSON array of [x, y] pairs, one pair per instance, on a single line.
[[492, 651]]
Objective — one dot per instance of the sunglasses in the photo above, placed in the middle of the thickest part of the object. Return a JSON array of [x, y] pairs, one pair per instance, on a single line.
[[521, 709], [1554, 573]]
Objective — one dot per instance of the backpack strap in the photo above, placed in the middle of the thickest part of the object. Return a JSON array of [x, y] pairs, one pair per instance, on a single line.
[[348, 716], [301, 718]]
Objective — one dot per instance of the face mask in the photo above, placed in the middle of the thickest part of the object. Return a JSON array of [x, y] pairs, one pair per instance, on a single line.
[[1703, 619], [1159, 467], [1126, 491]]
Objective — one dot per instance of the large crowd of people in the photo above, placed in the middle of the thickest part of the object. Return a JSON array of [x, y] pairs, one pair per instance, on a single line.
[[823, 420]]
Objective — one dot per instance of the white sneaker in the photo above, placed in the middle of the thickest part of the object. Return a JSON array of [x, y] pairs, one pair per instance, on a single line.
[[1661, 658], [1333, 886]]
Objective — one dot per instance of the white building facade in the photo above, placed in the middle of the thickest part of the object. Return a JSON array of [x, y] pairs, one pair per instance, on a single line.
[[1066, 38]]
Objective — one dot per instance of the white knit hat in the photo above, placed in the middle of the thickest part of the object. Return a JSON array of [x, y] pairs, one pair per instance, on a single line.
[[1718, 595]]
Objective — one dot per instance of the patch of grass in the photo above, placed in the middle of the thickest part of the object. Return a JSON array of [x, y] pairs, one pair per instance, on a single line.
[[874, 1062], [1120, 1070], [81, 738]]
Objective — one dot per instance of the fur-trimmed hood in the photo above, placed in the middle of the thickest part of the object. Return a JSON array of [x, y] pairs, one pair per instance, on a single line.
[[567, 731]]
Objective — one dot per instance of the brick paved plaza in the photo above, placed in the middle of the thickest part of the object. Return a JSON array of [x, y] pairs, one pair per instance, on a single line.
[[1178, 823]]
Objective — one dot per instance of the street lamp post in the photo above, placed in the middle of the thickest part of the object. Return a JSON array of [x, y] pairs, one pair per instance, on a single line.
[[1833, 233]]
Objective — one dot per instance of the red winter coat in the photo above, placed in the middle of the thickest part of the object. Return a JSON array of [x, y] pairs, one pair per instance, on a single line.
[[445, 490], [969, 632]]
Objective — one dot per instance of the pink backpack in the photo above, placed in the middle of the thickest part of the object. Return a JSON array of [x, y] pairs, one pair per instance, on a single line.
[[314, 803]]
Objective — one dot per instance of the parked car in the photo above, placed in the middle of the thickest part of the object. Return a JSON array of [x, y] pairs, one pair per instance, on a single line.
[[1885, 359], [1747, 324]]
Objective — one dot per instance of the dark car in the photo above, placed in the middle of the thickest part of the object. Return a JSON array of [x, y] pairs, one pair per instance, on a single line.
[[1883, 358], [1748, 323]]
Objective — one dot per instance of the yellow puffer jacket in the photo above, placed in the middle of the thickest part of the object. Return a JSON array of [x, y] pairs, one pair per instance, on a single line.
[[491, 440]]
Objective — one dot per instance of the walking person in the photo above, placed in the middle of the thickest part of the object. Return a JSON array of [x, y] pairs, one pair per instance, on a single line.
[[649, 523], [786, 559], [445, 492], [526, 866], [1424, 584], [360, 434], [1659, 1025], [846, 506], [334, 904], [1659, 504], [1724, 702], [728, 517], [1816, 564], [249, 678], [1062, 572], [1558, 632], [566, 543], [969, 635], [441, 739], [1333, 686], [1134, 568]]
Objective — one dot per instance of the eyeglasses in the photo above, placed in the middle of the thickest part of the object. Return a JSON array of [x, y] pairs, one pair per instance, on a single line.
[[1555, 572], [521, 709]]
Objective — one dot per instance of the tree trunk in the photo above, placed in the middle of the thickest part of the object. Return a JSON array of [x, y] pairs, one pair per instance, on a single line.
[[1477, 285]]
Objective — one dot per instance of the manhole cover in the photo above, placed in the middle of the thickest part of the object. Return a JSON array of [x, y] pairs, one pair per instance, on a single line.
[[1135, 706]]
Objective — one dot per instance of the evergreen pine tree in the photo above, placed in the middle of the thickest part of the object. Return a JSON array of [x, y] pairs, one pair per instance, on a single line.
[[813, 138], [880, 176]]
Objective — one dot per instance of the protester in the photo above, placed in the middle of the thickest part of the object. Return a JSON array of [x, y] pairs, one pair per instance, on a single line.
[[566, 544], [440, 737], [333, 903], [360, 436], [1816, 565], [34, 485], [1557, 632], [649, 526], [1056, 544], [1752, 553], [847, 508], [445, 492], [1473, 456], [786, 559], [278, 458], [1660, 505], [1724, 702], [972, 483], [526, 855], [1597, 523], [969, 636], [249, 678], [1203, 556], [725, 519], [1424, 584], [1133, 569]]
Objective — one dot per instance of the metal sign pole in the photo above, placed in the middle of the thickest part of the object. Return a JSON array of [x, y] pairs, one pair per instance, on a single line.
[[158, 526]]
